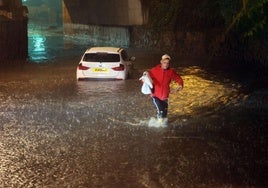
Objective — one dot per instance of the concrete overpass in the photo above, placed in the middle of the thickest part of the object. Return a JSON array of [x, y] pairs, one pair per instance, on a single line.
[[105, 12], [103, 22]]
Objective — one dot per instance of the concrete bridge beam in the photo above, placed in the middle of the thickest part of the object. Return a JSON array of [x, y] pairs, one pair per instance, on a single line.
[[103, 22], [105, 12]]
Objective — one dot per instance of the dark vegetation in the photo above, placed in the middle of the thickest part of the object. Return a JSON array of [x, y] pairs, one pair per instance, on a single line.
[[236, 29]]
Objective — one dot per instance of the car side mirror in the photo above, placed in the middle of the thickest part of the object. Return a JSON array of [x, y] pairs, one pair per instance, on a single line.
[[132, 58]]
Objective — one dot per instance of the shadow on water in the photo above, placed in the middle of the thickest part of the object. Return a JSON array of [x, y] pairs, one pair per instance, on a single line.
[[96, 89], [226, 146]]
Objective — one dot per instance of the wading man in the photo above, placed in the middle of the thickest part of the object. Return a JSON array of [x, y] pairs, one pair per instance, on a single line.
[[162, 75]]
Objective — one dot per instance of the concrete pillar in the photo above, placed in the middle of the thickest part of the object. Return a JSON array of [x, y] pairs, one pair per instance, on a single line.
[[13, 32]]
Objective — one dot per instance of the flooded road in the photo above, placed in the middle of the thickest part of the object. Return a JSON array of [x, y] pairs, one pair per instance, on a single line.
[[57, 132]]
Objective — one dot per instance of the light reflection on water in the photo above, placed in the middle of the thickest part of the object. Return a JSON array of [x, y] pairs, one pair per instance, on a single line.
[[38, 51], [45, 47]]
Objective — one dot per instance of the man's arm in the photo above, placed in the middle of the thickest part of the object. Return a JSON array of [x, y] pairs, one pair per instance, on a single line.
[[177, 78]]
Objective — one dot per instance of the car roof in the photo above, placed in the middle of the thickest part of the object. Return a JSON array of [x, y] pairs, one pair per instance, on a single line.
[[104, 49]]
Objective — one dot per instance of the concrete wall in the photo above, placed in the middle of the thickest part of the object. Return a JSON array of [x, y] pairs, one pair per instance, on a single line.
[[94, 35]]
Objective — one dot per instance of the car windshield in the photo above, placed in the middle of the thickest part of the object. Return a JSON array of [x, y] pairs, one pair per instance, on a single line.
[[101, 57]]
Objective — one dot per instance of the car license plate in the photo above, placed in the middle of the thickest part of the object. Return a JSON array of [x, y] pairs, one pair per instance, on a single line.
[[100, 70]]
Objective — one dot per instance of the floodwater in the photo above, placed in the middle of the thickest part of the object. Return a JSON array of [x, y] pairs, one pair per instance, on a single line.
[[57, 132]]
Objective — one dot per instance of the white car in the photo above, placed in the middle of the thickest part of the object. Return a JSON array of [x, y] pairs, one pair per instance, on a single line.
[[104, 63]]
